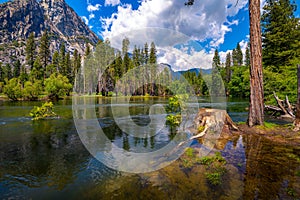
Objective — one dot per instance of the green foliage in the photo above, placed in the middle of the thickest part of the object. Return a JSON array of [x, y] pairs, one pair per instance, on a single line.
[[30, 50], [283, 81], [43, 112], [281, 33], [239, 85], [215, 167], [174, 120], [13, 89], [57, 85], [44, 49], [32, 90], [189, 152]]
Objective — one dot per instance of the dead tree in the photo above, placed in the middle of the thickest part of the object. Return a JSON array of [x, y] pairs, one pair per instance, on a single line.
[[284, 108]]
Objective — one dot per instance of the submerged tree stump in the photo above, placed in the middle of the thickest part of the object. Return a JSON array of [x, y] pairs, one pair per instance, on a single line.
[[211, 120]]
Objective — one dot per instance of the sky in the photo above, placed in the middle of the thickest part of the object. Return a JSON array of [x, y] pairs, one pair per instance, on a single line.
[[185, 36]]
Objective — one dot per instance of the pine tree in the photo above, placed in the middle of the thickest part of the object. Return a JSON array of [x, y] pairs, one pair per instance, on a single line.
[[30, 50], [281, 33], [62, 58], [55, 60], [87, 50], [7, 72], [37, 72], [216, 78], [146, 53], [216, 60], [44, 49], [228, 67], [76, 62], [68, 68], [152, 56], [247, 56], [17, 69]]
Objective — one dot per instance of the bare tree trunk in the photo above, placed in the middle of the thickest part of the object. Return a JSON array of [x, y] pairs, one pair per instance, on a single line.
[[297, 120], [256, 109]]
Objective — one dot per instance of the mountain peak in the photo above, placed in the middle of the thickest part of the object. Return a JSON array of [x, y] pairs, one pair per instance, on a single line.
[[21, 17]]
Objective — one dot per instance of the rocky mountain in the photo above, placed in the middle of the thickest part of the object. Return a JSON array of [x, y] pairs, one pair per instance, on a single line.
[[19, 18]]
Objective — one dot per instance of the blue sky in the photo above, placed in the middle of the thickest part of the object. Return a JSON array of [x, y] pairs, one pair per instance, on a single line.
[[213, 24]]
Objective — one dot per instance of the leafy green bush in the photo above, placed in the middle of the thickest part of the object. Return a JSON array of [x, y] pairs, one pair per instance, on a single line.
[[42, 112], [32, 90], [13, 89], [57, 85]]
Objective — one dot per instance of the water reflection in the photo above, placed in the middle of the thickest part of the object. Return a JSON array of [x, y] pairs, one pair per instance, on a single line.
[[46, 160]]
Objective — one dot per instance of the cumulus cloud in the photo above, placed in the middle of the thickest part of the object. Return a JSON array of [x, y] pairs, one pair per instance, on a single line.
[[206, 20], [92, 8], [180, 60], [112, 2]]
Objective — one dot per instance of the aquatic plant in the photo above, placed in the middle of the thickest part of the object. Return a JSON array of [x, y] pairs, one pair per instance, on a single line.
[[43, 112]]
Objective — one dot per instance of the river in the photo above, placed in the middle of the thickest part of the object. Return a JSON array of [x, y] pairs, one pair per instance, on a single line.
[[46, 159]]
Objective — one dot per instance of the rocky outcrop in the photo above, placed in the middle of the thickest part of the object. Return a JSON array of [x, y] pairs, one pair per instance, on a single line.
[[21, 17]]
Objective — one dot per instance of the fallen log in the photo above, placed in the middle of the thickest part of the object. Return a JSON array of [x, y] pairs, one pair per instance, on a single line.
[[284, 108]]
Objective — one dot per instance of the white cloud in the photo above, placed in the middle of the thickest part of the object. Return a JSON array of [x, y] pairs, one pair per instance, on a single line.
[[206, 19], [112, 2], [92, 8], [91, 16], [85, 19]]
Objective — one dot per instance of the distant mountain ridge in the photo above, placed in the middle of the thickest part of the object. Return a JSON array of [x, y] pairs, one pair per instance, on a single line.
[[19, 18]]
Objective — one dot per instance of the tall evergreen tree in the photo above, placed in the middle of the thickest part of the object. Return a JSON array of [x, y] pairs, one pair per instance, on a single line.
[[7, 72], [87, 50], [281, 33], [146, 53], [216, 77], [17, 69], [216, 60], [62, 58], [30, 50], [44, 49], [228, 67], [152, 56], [55, 60], [247, 55]]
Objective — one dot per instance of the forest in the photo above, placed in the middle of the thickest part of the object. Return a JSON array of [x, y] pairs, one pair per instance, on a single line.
[[53, 76]]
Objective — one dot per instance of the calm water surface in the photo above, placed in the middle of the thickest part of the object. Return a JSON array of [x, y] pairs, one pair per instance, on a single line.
[[46, 160]]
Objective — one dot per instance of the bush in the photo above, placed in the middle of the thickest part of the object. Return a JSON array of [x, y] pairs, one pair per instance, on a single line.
[[42, 112], [32, 90], [13, 89], [57, 85]]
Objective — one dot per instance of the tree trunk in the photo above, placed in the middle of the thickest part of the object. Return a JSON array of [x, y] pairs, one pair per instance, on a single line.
[[297, 120], [256, 109]]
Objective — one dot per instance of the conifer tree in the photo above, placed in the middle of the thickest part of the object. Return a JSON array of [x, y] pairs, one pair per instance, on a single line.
[[228, 67], [30, 50], [247, 55], [7, 72], [17, 68], [281, 33], [44, 49], [62, 58]]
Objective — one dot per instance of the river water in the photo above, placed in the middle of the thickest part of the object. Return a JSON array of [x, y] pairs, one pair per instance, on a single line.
[[47, 160]]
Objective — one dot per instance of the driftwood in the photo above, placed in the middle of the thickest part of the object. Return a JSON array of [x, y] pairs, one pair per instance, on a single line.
[[284, 108]]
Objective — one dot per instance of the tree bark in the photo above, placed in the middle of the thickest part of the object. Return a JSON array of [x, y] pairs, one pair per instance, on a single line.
[[256, 109], [297, 120]]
